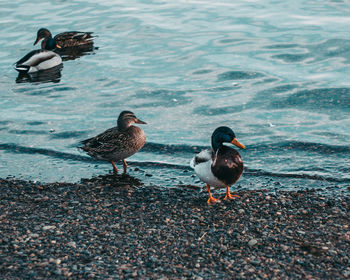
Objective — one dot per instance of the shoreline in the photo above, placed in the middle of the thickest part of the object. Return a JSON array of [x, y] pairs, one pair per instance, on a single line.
[[115, 227]]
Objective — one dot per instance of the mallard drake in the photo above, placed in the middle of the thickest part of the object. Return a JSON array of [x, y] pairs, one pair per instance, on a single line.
[[117, 143], [38, 60], [221, 166], [71, 39]]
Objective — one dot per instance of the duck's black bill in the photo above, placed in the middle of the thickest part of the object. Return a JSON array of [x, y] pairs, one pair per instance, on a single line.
[[37, 40]]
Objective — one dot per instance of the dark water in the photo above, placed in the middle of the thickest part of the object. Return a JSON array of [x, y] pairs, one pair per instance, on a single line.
[[275, 72]]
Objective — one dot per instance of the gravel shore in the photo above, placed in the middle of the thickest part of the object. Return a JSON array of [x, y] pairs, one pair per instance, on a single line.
[[113, 227]]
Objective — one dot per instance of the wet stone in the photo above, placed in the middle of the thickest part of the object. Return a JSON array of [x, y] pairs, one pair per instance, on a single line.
[[252, 242]]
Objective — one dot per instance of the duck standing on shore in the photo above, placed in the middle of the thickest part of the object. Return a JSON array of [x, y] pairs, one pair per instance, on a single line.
[[221, 166], [64, 40], [117, 143]]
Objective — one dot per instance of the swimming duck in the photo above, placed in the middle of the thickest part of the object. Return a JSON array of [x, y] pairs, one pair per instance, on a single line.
[[117, 143], [221, 166], [71, 39], [38, 60]]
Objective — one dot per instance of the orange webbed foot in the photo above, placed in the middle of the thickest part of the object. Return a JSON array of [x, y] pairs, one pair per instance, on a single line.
[[229, 195], [211, 198]]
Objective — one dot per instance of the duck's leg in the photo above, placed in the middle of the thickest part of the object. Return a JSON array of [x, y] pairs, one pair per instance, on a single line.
[[124, 165], [229, 195], [211, 198], [114, 167]]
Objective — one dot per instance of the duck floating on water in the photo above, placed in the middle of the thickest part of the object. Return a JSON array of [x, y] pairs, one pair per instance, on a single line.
[[117, 143], [221, 166], [64, 40], [38, 60]]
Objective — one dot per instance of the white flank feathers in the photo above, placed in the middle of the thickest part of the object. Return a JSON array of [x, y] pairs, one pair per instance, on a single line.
[[39, 61], [203, 169]]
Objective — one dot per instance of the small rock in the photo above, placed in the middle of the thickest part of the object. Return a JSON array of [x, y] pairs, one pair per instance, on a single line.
[[48, 227], [72, 244], [254, 261], [252, 242]]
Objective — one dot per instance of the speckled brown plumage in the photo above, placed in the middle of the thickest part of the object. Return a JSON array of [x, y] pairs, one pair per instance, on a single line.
[[117, 143], [64, 40]]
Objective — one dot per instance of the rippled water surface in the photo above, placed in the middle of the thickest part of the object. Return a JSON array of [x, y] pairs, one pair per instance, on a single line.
[[277, 72]]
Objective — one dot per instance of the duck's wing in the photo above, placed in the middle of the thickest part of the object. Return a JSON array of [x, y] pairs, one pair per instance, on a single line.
[[76, 35], [74, 38], [104, 147], [203, 156], [27, 57], [103, 137], [35, 57]]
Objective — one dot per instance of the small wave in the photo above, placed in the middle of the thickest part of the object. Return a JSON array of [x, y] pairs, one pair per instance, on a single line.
[[171, 149], [291, 58], [328, 99], [259, 173], [27, 132], [68, 134], [14, 148], [315, 147], [158, 148], [286, 145], [282, 46], [239, 75]]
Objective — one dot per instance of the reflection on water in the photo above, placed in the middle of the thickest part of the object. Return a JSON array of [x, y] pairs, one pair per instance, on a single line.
[[45, 76], [75, 52]]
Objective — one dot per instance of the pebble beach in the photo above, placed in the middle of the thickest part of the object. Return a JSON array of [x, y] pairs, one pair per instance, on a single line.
[[115, 227]]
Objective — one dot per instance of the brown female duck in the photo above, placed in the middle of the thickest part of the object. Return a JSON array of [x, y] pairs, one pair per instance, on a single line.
[[117, 143], [64, 40]]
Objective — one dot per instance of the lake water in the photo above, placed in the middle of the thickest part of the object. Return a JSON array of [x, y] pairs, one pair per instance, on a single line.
[[276, 72]]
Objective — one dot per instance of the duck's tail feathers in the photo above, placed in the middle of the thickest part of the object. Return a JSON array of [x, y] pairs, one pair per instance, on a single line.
[[84, 142], [192, 163], [84, 148], [22, 68]]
